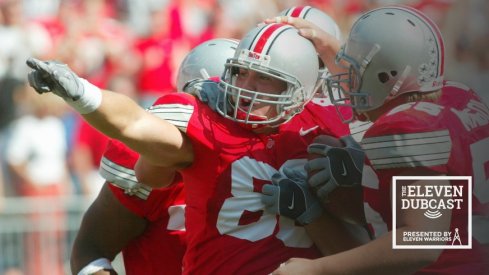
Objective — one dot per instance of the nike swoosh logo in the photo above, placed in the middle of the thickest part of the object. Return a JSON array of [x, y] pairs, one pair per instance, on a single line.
[[303, 132], [291, 206], [344, 169]]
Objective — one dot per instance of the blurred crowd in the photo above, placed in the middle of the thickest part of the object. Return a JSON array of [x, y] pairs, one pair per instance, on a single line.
[[135, 47]]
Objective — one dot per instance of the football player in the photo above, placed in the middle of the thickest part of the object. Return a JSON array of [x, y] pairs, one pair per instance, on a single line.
[[423, 125], [325, 23], [150, 222], [261, 125], [278, 191], [146, 224]]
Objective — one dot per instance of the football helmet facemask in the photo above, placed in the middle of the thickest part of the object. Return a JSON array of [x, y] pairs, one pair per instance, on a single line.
[[276, 51]]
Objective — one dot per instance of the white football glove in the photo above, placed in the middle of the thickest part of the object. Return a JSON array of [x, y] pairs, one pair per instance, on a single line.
[[59, 79]]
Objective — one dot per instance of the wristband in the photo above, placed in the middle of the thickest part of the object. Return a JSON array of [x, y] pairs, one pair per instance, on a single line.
[[90, 101], [96, 265]]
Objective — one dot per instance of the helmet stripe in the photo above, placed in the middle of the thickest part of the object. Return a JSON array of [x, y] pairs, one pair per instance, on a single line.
[[296, 11], [299, 11], [306, 11], [434, 28], [289, 11], [265, 37]]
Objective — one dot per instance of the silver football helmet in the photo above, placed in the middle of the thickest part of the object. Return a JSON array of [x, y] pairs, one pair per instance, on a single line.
[[390, 51], [316, 16], [205, 60], [279, 52], [324, 22]]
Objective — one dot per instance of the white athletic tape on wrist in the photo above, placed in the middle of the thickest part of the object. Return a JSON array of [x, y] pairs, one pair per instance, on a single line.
[[94, 266], [90, 101]]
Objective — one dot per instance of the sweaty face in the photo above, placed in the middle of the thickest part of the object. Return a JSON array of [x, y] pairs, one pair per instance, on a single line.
[[266, 85]]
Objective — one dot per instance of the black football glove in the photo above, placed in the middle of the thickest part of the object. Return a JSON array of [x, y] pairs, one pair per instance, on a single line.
[[289, 196], [338, 166]]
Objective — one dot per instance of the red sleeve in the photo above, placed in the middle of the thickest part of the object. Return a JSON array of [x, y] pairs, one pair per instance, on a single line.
[[117, 166], [158, 202], [413, 136], [119, 153]]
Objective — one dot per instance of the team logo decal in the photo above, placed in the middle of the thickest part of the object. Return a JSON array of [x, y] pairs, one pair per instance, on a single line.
[[440, 205]]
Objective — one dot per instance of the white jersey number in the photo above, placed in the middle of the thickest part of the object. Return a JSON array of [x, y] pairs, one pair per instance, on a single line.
[[245, 202]]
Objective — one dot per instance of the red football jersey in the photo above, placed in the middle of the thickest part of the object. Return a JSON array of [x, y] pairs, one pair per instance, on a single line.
[[228, 231], [449, 136], [160, 249]]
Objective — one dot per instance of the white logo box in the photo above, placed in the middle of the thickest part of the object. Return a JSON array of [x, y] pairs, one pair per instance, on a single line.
[[395, 179]]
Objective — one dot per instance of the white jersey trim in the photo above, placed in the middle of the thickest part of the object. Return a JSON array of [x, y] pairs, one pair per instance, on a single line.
[[177, 217], [358, 129], [176, 114], [408, 150], [123, 178]]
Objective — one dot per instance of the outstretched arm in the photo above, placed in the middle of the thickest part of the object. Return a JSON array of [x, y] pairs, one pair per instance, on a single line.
[[115, 115], [159, 142]]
